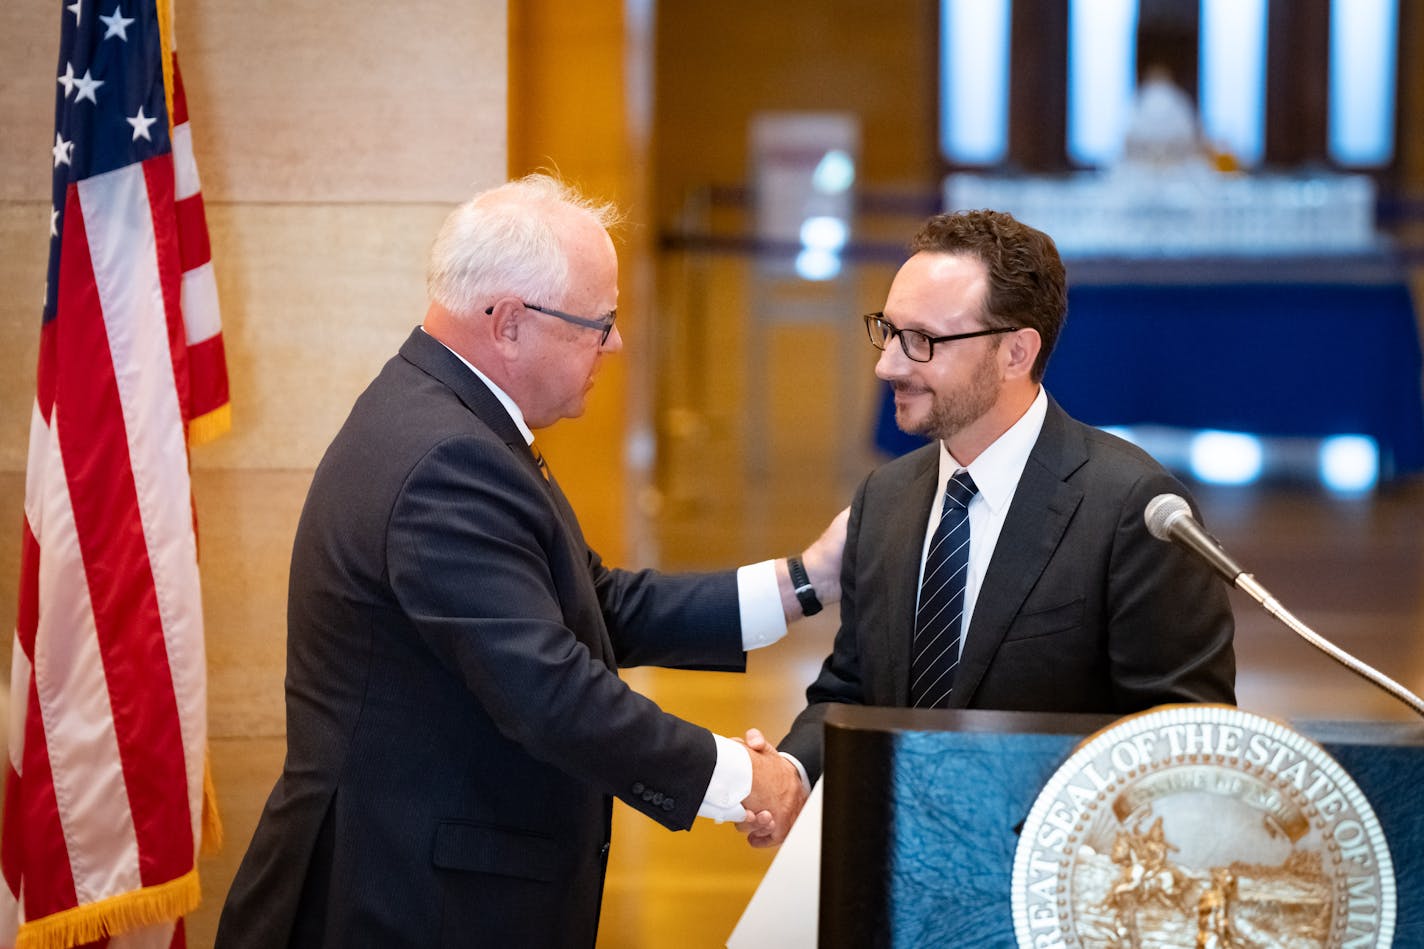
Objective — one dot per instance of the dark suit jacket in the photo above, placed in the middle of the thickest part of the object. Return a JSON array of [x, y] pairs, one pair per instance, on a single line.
[[456, 729], [1080, 610]]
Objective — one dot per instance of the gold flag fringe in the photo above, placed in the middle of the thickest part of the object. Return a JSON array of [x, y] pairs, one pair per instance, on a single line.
[[115, 915], [165, 38], [205, 428]]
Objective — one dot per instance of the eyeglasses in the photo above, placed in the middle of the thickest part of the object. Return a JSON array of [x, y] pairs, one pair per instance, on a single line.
[[603, 325], [918, 346]]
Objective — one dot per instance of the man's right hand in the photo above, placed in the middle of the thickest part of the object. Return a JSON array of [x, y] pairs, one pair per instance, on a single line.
[[777, 794]]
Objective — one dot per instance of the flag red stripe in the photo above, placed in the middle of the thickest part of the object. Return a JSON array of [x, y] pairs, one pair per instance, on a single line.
[[193, 232], [158, 178], [180, 96], [207, 365], [94, 447], [44, 375], [29, 593], [48, 881]]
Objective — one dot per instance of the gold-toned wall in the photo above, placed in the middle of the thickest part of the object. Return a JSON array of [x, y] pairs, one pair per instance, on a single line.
[[718, 64], [331, 139], [573, 71], [776, 371]]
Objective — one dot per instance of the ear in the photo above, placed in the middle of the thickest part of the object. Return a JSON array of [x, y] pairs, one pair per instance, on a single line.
[[1021, 351], [505, 319]]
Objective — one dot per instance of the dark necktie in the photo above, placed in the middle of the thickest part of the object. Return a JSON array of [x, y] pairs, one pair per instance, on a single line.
[[935, 651]]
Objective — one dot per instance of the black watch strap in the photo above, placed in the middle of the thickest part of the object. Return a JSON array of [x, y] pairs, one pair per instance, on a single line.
[[801, 583]]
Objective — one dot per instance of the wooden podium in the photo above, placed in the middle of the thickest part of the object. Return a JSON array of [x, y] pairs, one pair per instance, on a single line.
[[923, 808]]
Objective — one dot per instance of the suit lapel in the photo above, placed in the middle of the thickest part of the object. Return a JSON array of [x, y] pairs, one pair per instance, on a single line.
[[1043, 505], [904, 546]]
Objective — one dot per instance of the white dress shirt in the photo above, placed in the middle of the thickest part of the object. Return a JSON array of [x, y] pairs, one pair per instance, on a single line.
[[763, 623]]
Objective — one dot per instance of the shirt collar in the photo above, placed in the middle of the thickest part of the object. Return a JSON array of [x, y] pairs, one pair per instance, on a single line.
[[998, 468], [503, 397]]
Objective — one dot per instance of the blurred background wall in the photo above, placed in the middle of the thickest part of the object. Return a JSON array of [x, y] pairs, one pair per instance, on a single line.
[[332, 139]]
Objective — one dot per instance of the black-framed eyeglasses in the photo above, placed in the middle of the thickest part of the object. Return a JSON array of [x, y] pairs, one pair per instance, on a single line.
[[918, 346], [603, 324]]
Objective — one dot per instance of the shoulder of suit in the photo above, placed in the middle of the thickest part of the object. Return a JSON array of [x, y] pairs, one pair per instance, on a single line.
[[416, 412], [907, 466], [1107, 446], [1116, 466]]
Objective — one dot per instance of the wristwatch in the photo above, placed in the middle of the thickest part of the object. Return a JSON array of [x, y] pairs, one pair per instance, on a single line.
[[805, 592]]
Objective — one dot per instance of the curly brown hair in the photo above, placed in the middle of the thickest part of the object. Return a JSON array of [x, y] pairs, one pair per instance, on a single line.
[[1027, 283]]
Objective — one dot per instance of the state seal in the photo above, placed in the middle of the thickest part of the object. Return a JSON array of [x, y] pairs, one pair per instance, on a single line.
[[1202, 827]]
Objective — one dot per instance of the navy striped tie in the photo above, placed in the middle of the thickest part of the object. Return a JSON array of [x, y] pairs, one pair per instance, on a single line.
[[935, 651]]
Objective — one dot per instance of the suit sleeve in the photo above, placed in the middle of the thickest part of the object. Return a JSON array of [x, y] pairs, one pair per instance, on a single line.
[[1170, 630], [688, 621], [469, 550]]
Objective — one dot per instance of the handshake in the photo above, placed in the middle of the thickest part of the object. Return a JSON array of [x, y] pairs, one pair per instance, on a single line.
[[778, 792]]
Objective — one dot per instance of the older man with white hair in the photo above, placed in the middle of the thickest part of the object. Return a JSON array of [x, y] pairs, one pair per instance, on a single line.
[[456, 726]]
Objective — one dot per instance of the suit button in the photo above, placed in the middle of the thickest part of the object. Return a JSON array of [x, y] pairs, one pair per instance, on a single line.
[[638, 787], [647, 795], [658, 798], [668, 804]]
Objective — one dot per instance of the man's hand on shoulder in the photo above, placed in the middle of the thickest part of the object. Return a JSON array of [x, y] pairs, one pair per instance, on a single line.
[[813, 579], [823, 559]]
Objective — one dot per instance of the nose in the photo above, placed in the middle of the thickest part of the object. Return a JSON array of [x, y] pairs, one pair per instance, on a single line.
[[890, 364]]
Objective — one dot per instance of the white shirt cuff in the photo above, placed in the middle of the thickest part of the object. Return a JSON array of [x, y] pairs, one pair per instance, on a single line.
[[731, 783], [800, 769], [759, 598]]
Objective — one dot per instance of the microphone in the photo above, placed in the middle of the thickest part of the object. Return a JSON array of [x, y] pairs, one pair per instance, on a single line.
[[1169, 518]]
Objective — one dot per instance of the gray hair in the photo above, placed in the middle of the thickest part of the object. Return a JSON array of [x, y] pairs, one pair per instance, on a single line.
[[505, 242]]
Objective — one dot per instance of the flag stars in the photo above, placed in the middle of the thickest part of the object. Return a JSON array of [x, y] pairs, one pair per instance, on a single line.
[[140, 125], [77, 8], [67, 80], [53, 222], [87, 84], [117, 24], [63, 151]]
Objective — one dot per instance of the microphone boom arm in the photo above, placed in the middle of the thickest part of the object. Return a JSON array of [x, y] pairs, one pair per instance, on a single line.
[[1169, 518], [1248, 584]]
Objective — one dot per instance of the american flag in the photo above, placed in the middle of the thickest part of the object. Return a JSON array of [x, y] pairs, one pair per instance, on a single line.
[[106, 797]]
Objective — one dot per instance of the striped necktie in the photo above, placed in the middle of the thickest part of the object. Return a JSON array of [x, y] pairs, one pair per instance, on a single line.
[[935, 651]]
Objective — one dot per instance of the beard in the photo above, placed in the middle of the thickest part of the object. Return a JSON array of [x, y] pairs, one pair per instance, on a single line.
[[952, 412]]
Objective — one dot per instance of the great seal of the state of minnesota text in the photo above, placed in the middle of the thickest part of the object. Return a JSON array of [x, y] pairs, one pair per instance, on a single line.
[[1202, 827]]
